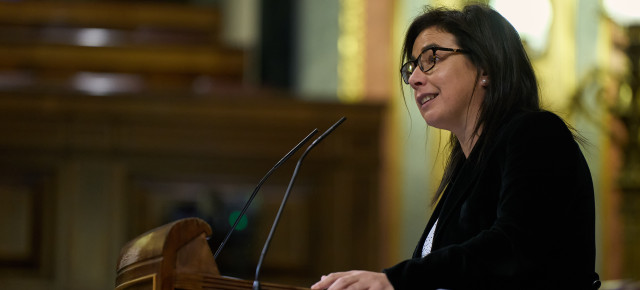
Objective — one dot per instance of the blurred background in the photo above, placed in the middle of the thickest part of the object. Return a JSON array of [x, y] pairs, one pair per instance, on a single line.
[[117, 117]]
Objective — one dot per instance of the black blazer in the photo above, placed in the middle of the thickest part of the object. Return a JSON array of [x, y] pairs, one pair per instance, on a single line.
[[518, 216]]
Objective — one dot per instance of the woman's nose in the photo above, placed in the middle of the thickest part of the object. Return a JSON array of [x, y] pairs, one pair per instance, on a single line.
[[417, 78]]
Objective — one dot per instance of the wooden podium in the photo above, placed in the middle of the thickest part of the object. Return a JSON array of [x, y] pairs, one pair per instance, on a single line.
[[176, 256]]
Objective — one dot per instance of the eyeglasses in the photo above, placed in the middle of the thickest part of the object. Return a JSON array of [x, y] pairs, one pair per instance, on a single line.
[[425, 63]]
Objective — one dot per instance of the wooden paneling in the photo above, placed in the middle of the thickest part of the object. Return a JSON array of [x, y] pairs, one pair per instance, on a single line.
[[152, 59], [176, 132], [134, 47], [124, 14], [118, 159]]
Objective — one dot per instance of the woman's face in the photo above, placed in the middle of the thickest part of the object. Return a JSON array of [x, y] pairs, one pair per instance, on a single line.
[[443, 94]]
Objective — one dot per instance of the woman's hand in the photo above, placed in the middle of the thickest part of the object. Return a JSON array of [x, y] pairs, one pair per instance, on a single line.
[[354, 280]]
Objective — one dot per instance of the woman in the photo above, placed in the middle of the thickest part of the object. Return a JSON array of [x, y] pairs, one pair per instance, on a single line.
[[516, 202]]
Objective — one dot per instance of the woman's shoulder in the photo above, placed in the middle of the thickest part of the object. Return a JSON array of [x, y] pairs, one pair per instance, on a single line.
[[542, 117], [531, 131], [534, 130], [537, 122], [541, 132]]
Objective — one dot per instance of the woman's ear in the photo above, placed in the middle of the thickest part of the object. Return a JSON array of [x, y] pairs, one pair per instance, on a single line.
[[484, 79]]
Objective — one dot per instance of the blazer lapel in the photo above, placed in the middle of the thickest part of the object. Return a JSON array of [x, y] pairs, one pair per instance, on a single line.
[[455, 195], [417, 253], [465, 178]]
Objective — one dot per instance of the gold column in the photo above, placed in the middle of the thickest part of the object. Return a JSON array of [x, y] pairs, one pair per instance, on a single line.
[[351, 53]]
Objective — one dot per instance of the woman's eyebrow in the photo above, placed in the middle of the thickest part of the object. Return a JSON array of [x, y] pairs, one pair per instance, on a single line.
[[425, 48], [429, 46]]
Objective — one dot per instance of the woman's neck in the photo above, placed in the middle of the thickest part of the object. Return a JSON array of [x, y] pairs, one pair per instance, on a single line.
[[468, 139], [467, 147]]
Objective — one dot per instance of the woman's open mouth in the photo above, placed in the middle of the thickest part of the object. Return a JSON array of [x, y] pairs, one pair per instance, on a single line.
[[426, 98]]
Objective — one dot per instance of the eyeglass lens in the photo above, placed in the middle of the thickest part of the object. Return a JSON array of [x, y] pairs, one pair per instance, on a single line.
[[425, 64]]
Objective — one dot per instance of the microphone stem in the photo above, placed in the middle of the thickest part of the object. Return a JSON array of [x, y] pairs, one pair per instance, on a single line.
[[255, 191], [280, 210], [256, 283]]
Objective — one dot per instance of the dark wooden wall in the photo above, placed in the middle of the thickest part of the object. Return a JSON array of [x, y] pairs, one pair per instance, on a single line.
[[103, 170], [178, 133]]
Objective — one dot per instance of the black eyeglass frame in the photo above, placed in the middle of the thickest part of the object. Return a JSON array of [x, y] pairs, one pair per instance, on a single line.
[[408, 68]]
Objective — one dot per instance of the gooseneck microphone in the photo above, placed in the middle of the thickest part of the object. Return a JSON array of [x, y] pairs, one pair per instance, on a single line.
[[256, 283], [255, 191]]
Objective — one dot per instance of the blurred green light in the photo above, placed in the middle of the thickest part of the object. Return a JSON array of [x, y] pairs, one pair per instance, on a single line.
[[243, 221]]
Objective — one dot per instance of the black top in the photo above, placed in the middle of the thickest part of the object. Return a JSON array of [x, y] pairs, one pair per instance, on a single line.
[[521, 216]]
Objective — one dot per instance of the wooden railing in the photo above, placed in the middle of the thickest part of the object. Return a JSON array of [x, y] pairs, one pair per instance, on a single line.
[[176, 256], [48, 45]]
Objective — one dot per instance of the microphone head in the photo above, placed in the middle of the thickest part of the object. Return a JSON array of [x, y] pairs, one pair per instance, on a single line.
[[333, 127]]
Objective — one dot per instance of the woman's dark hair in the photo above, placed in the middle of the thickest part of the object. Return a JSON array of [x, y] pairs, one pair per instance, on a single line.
[[496, 50]]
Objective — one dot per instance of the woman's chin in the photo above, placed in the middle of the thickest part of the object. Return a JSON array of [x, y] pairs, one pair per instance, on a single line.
[[431, 122]]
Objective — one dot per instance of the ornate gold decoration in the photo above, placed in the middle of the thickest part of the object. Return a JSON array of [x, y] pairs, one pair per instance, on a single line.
[[351, 54]]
